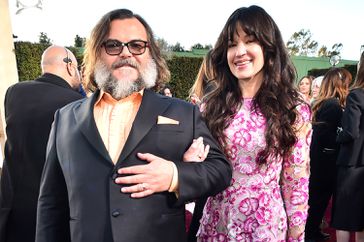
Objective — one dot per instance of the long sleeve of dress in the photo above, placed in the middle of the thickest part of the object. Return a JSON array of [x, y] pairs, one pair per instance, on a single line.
[[295, 177]]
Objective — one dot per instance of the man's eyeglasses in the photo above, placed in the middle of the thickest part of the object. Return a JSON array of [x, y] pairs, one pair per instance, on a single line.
[[115, 47]]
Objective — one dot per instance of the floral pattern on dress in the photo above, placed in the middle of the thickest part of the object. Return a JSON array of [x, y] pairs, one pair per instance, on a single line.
[[264, 202]]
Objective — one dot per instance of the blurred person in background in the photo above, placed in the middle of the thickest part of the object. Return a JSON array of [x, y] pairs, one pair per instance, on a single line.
[[326, 118], [166, 91], [315, 88], [348, 204], [29, 113], [204, 82], [304, 87]]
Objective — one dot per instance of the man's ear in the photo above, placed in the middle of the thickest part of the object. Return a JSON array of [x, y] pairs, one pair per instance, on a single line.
[[68, 66]]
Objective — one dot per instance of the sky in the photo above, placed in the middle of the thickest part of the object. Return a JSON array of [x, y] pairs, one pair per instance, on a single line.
[[195, 21]]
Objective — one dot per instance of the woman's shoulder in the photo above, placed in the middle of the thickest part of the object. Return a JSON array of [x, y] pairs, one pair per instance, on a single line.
[[356, 97], [330, 102], [357, 91]]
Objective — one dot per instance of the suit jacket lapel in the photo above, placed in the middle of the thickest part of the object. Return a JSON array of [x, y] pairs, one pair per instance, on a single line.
[[152, 105], [84, 115]]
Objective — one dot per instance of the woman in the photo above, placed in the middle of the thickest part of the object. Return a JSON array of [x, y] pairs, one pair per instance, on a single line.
[[204, 82], [315, 88], [166, 91], [304, 87], [348, 209], [263, 126], [326, 115]]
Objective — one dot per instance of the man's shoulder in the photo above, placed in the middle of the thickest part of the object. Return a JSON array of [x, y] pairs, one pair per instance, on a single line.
[[174, 101], [21, 88], [357, 92], [180, 102], [23, 84], [36, 83], [73, 105], [330, 102]]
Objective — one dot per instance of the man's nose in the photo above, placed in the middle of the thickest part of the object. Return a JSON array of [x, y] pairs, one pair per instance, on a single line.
[[125, 52]]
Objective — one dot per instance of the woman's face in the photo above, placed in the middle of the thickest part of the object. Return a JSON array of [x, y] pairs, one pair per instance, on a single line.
[[305, 86], [167, 92], [245, 57], [315, 90]]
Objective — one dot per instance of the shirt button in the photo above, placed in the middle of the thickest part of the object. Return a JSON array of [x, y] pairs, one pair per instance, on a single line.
[[115, 213], [114, 176]]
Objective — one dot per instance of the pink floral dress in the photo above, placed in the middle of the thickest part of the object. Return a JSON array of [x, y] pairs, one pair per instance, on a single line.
[[263, 203]]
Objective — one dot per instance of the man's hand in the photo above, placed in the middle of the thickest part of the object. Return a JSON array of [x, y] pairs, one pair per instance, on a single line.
[[147, 179], [197, 151]]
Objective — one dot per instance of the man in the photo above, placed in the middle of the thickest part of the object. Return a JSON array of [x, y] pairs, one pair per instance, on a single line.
[[114, 170], [29, 112]]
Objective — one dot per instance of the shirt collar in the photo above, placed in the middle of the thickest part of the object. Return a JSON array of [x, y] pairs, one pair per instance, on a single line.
[[109, 99]]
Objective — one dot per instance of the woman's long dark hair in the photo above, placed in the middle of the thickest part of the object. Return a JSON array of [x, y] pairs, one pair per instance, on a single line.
[[276, 98], [359, 80]]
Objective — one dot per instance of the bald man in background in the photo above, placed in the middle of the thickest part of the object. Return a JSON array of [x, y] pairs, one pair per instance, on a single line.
[[29, 111]]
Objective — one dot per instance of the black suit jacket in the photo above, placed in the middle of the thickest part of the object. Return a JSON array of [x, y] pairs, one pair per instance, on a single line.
[[79, 200], [352, 136], [324, 149], [29, 112]]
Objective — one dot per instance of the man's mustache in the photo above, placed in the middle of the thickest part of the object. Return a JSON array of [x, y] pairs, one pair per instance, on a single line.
[[124, 62]]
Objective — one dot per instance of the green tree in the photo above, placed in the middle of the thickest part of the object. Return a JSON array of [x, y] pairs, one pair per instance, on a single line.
[[79, 41], [44, 39], [28, 57], [322, 52], [164, 47], [208, 47], [301, 43], [335, 50], [162, 44], [177, 47], [197, 46]]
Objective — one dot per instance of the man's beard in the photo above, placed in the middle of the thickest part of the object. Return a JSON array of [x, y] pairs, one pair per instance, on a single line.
[[122, 88]]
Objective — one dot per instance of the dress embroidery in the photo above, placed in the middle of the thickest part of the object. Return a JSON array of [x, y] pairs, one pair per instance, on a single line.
[[266, 202]]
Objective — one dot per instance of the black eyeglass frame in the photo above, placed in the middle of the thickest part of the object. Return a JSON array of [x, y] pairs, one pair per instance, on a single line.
[[121, 46]]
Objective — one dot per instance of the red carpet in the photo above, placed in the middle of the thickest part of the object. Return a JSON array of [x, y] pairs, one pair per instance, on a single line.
[[188, 220]]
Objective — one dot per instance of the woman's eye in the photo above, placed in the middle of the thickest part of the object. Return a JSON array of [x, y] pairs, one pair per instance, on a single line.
[[252, 40]]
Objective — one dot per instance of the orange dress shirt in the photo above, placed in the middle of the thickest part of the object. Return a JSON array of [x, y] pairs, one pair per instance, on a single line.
[[114, 119]]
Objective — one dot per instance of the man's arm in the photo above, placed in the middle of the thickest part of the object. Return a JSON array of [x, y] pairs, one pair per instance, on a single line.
[[53, 210], [203, 179], [196, 153], [195, 179]]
